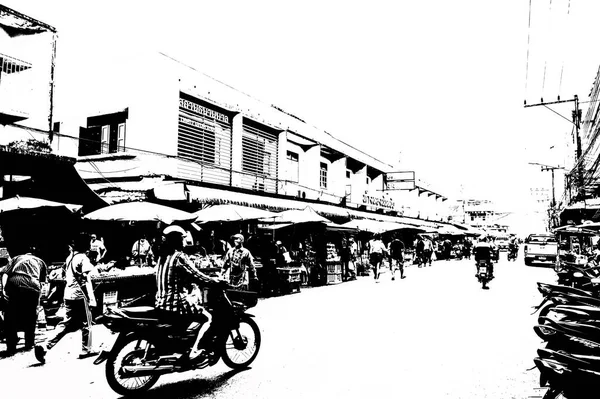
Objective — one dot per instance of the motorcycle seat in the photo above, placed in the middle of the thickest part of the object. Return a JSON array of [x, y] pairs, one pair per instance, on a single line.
[[141, 312]]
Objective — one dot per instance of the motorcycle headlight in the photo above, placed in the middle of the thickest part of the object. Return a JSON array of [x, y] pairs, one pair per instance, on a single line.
[[578, 274]]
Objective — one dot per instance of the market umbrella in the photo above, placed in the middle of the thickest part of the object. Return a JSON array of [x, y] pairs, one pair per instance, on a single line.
[[18, 203], [575, 230], [140, 212], [587, 226], [451, 231], [230, 213], [295, 216]]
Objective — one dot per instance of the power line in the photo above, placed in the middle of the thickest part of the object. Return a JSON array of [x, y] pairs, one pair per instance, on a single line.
[[528, 40]]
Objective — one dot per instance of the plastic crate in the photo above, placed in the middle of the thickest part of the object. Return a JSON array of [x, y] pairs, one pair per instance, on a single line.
[[334, 278], [334, 268]]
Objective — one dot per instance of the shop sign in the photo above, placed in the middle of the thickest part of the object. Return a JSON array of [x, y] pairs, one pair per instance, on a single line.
[[378, 202], [200, 110]]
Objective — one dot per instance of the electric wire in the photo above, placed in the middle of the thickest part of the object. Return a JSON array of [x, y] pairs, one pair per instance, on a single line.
[[528, 46]]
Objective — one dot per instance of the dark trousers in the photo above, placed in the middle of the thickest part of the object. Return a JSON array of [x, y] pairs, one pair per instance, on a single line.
[[20, 315], [78, 317]]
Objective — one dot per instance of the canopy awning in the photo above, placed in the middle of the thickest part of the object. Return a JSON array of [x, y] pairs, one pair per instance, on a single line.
[[207, 195]]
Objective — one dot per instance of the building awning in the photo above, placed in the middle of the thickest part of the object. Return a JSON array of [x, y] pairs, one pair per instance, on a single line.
[[51, 177], [207, 195]]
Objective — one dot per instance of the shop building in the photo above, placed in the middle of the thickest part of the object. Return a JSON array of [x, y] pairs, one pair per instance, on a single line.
[[212, 136]]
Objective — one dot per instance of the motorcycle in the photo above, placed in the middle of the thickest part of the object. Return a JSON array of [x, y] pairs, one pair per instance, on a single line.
[[148, 346], [512, 253], [483, 273]]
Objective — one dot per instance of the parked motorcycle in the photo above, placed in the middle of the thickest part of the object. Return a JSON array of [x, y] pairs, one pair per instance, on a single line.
[[149, 346], [484, 273]]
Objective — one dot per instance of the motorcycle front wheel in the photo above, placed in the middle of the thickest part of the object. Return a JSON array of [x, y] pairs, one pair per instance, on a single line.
[[130, 352], [242, 344]]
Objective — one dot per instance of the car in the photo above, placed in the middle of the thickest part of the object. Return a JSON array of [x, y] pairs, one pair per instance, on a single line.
[[502, 242], [540, 248]]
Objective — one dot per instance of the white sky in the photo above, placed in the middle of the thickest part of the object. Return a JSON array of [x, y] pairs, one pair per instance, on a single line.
[[438, 84]]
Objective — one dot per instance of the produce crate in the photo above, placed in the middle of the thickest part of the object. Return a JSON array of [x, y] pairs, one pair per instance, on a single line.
[[334, 278], [334, 268]]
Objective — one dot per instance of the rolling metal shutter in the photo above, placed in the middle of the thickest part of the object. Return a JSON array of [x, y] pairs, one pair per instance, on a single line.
[[259, 156]]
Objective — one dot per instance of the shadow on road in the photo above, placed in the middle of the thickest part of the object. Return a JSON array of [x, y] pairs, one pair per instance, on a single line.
[[191, 388]]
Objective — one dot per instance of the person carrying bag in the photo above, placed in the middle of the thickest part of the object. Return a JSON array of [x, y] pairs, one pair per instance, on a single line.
[[78, 298]]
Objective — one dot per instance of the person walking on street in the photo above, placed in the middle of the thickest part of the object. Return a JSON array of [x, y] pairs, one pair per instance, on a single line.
[[447, 245], [78, 299], [420, 250], [427, 251], [21, 283], [376, 251], [396, 257]]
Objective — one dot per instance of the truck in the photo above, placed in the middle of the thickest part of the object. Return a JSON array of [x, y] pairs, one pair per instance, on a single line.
[[540, 248]]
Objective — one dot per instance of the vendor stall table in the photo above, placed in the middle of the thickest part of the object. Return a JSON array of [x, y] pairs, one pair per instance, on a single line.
[[289, 277]]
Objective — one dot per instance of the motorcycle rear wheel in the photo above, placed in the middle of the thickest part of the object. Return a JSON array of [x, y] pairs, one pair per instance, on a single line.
[[242, 344], [131, 351]]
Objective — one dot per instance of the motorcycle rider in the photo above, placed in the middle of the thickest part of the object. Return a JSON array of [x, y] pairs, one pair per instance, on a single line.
[[483, 251], [174, 270], [513, 245]]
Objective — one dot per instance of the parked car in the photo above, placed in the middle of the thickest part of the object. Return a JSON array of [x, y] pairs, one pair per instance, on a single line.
[[540, 248]]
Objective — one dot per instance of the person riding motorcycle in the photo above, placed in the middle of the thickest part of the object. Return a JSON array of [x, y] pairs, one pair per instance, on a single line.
[[513, 245], [483, 251], [175, 274]]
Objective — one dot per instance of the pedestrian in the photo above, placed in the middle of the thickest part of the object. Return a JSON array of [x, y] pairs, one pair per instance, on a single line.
[[396, 251], [427, 251], [376, 252], [22, 282], [78, 299], [97, 250], [420, 249], [240, 263], [447, 245]]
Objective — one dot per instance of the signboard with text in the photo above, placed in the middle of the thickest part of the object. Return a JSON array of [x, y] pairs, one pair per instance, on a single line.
[[404, 180]]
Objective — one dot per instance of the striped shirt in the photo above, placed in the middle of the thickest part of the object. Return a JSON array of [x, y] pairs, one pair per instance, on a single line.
[[26, 271], [173, 274]]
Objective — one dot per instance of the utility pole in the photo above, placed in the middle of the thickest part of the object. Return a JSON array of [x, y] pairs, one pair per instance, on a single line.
[[576, 121], [546, 168]]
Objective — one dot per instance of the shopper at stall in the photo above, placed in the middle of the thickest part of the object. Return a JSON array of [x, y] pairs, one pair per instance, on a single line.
[[174, 275], [78, 299], [21, 283], [141, 252], [239, 262], [97, 250]]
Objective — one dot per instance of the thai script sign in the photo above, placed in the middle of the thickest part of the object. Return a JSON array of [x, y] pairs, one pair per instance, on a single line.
[[199, 109], [378, 202]]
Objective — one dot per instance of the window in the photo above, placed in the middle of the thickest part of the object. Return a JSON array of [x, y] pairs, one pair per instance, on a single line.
[[368, 180], [121, 138], [293, 167], [348, 173], [104, 139], [323, 175]]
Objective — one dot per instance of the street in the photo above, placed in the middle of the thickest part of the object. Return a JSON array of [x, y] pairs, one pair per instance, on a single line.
[[435, 334]]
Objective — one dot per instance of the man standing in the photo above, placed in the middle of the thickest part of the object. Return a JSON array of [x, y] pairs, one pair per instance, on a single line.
[[427, 251], [21, 282], [239, 260], [396, 251], [97, 249], [141, 252], [79, 297]]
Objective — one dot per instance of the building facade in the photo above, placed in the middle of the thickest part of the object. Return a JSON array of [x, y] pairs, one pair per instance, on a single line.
[[209, 134]]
